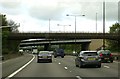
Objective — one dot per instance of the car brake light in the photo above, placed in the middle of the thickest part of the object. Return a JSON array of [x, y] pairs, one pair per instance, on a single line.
[[110, 54], [101, 55]]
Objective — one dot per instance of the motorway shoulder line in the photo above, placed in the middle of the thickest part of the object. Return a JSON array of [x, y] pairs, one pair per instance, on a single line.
[[17, 71]]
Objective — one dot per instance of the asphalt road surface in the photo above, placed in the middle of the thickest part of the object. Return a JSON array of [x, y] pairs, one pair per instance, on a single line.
[[62, 68]]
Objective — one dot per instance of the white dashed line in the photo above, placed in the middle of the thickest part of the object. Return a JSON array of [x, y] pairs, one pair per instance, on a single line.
[[21, 68], [59, 63], [70, 71], [78, 77], [65, 68], [106, 66], [116, 62]]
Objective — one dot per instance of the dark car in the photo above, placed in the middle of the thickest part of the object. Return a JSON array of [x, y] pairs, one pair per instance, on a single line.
[[59, 52], [85, 58], [44, 56], [105, 56]]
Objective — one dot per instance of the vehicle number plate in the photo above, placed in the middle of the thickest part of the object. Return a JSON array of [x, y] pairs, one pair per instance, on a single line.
[[106, 58], [91, 58], [45, 57]]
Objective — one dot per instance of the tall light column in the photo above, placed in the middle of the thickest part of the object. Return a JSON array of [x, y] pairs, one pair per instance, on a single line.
[[75, 27], [104, 24], [96, 22]]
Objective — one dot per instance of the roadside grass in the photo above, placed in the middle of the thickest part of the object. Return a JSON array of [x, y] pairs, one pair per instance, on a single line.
[[11, 56]]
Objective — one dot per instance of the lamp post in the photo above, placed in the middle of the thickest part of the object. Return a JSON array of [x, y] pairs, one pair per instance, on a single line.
[[96, 22], [75, 26], [63, 26], [49, 35], [103, 24]]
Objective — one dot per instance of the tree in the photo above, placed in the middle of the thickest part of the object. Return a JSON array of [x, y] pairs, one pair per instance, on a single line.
[[4, 20], [14, 26], [7, 47], [113, 44]]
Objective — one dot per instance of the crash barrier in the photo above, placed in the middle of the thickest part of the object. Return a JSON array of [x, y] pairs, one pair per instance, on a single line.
[[116, 56]]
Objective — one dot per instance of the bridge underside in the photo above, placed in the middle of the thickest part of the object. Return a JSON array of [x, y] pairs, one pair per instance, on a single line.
[[84, 44]]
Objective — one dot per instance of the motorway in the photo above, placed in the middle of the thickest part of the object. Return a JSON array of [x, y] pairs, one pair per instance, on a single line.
[[62, 68]]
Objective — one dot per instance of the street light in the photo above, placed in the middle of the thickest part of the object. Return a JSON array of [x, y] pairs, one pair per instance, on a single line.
[[96, 22], [63, 26], [75, 26], [103, 24], [49, 35]]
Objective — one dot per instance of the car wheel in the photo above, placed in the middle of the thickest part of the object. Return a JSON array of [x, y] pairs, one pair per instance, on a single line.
[[99, 66], [62, 56], [50, 61], [76, 65], [80, 65], [55, 56], [37, 61], [111, 61]]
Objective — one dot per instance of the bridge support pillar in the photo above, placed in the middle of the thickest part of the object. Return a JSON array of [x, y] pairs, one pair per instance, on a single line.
[[84, 46], [46, 46]]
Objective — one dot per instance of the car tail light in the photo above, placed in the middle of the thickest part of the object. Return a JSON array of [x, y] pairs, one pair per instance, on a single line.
[[40, 56], [110, 54], [101, 55]]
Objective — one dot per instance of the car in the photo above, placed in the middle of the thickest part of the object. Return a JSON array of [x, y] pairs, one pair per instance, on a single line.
[[105, 56], [1, 58], [44, 56], [88, 58], [59, 52]]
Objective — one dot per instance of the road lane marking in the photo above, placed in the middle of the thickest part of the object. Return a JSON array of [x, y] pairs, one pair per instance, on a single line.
[[116, 62], [106, 66], [70, 71], [59, 63], [11, 75], [66, 68], [78, 77]]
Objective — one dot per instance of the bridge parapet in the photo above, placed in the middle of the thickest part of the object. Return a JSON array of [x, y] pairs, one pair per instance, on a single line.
[[23, 36]]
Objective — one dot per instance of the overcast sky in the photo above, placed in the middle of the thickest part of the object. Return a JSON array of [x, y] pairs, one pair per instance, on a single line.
[[34, 15]]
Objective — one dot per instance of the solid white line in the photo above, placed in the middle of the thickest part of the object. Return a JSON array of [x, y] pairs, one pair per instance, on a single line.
[[106, 66], [78, 77], [21, 68]]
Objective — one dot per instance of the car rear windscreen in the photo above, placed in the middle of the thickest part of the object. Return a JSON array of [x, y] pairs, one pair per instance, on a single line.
[[89, 54]]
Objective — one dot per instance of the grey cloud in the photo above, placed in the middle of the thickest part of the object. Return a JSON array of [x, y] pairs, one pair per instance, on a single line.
[[90, 9], [10, 7], [10, 3], [46, 12]]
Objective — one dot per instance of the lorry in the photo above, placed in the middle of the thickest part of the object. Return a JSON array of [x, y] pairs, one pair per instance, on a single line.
[[35, 51]]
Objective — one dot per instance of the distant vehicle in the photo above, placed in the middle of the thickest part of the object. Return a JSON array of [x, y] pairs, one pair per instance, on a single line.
[[21, 51], [88, 58], [1, 58], [35, 51], [105, 55], [44, 56], [59, 52], [74, 53]]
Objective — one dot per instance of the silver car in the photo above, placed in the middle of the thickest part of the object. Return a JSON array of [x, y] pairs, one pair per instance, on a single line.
[[44, 56], [88, 58]]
